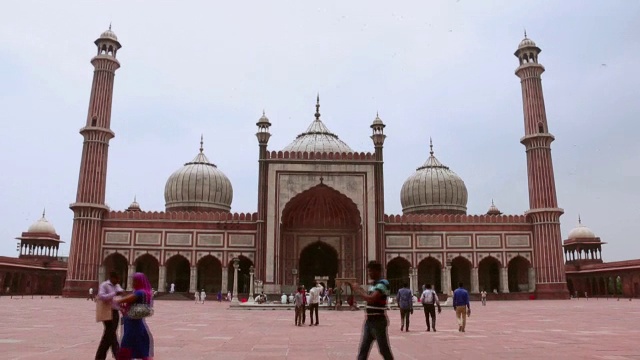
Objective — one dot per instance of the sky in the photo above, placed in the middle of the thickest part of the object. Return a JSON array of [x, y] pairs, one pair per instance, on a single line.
[[440, 69]]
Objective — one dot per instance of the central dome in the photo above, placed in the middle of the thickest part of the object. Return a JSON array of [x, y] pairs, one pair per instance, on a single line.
[[434, 189], [198, 186], [318, 138]]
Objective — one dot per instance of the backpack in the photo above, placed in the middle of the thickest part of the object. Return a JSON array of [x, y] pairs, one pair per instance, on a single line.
[[428, 297]]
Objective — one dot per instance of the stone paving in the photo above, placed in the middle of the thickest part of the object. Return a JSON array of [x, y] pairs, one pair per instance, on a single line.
[[573, 329]]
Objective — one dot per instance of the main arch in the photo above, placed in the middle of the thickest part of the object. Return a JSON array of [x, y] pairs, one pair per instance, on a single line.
[[320, 235]]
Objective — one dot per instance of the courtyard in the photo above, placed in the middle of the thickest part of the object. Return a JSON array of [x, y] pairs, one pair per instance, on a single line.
[[59, 328]]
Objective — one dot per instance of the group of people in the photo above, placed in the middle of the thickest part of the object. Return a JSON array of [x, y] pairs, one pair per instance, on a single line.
[[302, 302], [200, 296], [136, 342], [429, 300]]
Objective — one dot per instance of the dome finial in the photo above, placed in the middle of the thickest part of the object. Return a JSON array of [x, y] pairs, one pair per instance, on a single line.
[[318, 107], [492, 204], [430, 146], [525, 33], [44, 211], [579, 220], [109, 25], [134, 198], [201, 143]]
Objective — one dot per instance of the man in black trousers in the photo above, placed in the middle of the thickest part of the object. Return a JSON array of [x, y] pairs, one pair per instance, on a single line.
[[107, 312]]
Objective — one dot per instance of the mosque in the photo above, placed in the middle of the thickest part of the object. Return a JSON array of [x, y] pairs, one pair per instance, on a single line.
[[320, 212]]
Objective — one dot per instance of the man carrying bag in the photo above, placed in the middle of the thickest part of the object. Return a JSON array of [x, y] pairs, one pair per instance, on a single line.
[[429, 300]]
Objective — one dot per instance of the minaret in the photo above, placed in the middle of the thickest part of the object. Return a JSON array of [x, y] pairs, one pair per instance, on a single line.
[[544, 213], [378, 138], [89, 208], [263, 136]]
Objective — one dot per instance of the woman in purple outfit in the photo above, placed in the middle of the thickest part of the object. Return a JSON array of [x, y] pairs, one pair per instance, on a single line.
[[137, 342]]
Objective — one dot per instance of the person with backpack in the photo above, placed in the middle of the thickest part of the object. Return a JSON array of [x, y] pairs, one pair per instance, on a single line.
[[429, 300]]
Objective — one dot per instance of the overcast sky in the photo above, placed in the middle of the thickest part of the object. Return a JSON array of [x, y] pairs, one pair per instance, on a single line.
[[441, 69]]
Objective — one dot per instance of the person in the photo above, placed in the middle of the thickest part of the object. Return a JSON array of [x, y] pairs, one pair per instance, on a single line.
[[197, 297], [91, 297], [314, 302], [404, 299], [376, 321], [229, 295], [483, 295], [137, 342], [429, 300], [329, 296], [283, 299], [297, 301], [305, 301], [172, 289], [107, 313], [461, 306], [203, 296], [219, 296]]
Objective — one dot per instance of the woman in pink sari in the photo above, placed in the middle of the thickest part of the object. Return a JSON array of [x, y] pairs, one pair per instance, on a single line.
[[137, 342]]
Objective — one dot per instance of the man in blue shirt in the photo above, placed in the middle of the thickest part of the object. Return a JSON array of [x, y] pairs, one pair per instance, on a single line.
[[405, 302], [461, 306]]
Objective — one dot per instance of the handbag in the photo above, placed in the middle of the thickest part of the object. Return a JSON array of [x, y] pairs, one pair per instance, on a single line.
[[140, 311]]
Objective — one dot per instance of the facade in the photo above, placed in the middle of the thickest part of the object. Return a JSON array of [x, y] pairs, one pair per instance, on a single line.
[[320, 213], [38, 270]]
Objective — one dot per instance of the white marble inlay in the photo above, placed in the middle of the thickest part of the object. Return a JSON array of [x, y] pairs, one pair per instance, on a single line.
[[10, 341]]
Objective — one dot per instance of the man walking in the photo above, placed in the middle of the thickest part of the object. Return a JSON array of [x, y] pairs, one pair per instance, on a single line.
[[91, 296], [461, 306], [483, 295], [107, 312], [376, 323], [297, 301], [429, 300], [405, 302], [314, 302]]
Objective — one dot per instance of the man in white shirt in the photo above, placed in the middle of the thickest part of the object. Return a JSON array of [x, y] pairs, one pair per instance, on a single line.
[[91, 297], [314, 302], [429, 300], [107, 312]]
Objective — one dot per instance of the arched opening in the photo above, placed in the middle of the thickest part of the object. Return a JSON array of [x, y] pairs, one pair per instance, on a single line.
[[541, 128], [244, 278], [518, 274], [398, 273], [317, 215], [148, 265], [178, 273], [430, 272], [209, 275], [118, 263], [489, 274], [318, 259], [460, 272], [602, 286]]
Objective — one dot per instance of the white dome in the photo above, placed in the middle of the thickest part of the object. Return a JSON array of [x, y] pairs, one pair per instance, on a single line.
[[109, 35], [318, 138], [581, 232], [435, 189], [198, 185], [42, 226], [526, 42]]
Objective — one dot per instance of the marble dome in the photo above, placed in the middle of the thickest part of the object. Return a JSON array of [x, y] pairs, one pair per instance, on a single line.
[[42, 226], [581, 232], [318, 138], [434, 189], [198, 186]]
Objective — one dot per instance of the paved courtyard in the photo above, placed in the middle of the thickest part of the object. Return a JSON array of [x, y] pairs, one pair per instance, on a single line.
[[595, 329]]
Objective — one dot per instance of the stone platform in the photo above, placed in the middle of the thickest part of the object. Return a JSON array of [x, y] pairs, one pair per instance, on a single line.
[[61, 329]]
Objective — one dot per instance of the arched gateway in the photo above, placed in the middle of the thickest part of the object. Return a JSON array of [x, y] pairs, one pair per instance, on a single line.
[[321, 235]]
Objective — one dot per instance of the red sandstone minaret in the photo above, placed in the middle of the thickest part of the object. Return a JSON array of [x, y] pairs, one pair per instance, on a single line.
[[89, 208], [544, 213]]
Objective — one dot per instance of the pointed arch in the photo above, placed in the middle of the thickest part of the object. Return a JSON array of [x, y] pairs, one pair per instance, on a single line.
[[209, 270], [489, 274], [150, 266], [118, 263], [398, 273], [178, 271], [321, 206], [460, 272], [518, 274], [430, 272]]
